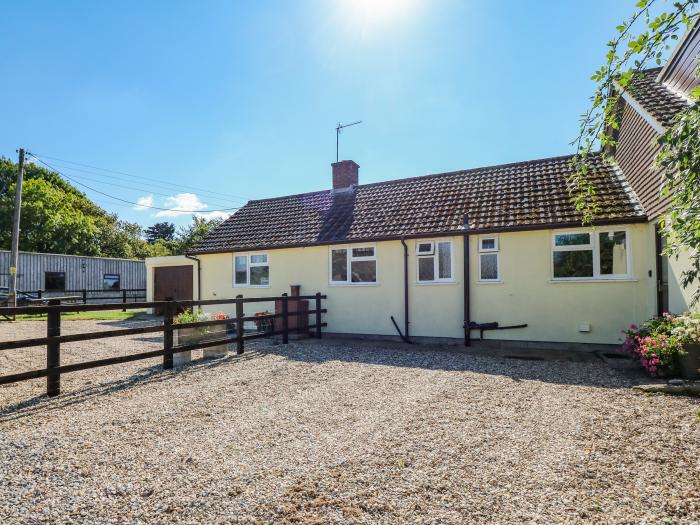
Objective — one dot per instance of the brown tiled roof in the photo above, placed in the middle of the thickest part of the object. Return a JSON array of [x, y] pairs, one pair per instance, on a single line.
[[524, 195], [656, 99]]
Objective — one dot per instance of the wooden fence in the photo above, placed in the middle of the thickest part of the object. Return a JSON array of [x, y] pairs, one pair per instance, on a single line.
[[53, 338]]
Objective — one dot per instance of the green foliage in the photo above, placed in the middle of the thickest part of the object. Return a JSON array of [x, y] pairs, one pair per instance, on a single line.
[[160, 231], [58, 218], [53, 221], [188, 236], [194, 315], [641, 39], [680, 156]]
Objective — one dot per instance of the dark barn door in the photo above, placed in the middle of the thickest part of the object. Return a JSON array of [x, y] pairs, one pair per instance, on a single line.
[[172, 283]]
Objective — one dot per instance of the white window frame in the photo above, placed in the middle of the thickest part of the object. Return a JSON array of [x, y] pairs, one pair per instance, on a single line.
[[490, 251], [425, 254], [348, 261], [594, 245], [249, 264], [436, 264]]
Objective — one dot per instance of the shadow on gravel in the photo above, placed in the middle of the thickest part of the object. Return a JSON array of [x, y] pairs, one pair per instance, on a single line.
[[153, 374], [558, 367]]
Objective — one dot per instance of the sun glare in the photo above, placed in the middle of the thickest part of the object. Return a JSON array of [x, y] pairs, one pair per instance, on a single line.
[[378, 11]]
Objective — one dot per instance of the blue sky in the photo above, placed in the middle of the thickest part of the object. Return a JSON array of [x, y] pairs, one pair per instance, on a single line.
[[225, 101]]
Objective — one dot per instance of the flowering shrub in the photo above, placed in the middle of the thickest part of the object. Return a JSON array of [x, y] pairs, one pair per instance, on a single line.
[[661, 340], [190, 316], [219, 316]]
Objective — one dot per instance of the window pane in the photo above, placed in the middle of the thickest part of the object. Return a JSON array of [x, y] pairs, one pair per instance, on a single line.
[[444, 260], [364, 271], [259, 275], [489, 266], [572, 239], [241, 274], [425, 248], [363, 252], [613, 253], [257, 259], [426, 269], [54, 281], [573, 264], [339, 265], [488, 244], [110, 282]]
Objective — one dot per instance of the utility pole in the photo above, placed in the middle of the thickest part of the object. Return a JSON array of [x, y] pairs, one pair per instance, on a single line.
[[14, 256]]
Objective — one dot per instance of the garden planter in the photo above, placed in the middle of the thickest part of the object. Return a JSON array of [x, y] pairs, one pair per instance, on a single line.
[[690, 362], [188, 336]]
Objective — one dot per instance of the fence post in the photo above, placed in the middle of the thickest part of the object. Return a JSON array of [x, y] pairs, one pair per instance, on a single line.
[[285, 319], [53, 350], [239, 324], [124, 299], [318, 315], [84, 296], [168, 335]]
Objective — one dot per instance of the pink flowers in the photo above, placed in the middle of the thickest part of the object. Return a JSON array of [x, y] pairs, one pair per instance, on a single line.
[[658, 342]]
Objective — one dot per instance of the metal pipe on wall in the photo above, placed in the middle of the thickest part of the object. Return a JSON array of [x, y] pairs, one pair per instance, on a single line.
[[467, 313], [405, 289], [199, 275]]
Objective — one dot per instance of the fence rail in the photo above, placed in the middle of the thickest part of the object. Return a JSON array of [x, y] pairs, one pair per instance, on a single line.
[[83, 295], [53, 338]]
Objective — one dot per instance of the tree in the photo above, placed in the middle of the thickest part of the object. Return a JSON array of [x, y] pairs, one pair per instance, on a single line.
[[642, 38], [58, 218], [191, 234], [52, 220], [160, 230]]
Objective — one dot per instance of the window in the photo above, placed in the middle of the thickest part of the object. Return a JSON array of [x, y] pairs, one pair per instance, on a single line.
[[434, 261], [110, 281], [54, 281], [489, 269], [353, 265], [590, 255], [251, 270]]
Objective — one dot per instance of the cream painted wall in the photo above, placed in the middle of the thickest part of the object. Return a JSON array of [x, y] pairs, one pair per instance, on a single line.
[[552, 310], [173, 260], [679, 298]]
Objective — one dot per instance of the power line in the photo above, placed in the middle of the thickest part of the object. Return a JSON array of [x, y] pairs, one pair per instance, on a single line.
[[124, 200], [200, 190], [144, 185], [137, 189]]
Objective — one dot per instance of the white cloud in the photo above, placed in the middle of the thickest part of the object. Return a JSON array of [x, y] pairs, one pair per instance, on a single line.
[[181, 204], [214, 215], [143, 203]]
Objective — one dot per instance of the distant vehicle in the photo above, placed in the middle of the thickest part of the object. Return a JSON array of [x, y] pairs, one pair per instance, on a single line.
[[23, 298]]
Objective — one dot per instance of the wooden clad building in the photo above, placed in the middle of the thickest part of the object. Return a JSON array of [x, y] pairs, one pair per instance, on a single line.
[[55, 273]]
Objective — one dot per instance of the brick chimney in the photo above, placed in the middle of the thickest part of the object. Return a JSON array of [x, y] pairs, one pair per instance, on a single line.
[[345, 174]]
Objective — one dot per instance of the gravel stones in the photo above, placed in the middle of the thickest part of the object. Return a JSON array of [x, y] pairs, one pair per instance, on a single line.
[[331, 432]]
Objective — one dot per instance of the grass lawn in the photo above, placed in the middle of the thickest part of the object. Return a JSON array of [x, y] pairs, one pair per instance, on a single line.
[[106, 315]]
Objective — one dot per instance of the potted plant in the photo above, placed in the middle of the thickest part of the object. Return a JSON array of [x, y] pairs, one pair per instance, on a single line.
[[192, 335], [667, 345]]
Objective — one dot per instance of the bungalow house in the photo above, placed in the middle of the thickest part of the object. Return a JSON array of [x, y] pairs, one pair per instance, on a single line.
[[498, 244]]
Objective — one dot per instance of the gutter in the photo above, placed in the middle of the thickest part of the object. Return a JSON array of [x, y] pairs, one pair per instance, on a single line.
[[199, 275], [428, 235], [405, 289], [467, 313]]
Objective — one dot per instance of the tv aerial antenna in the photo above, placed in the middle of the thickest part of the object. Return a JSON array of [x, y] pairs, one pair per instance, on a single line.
[[338, 130]]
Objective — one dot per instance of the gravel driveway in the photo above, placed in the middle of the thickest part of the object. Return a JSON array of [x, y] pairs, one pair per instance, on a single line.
[[335, 432]]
